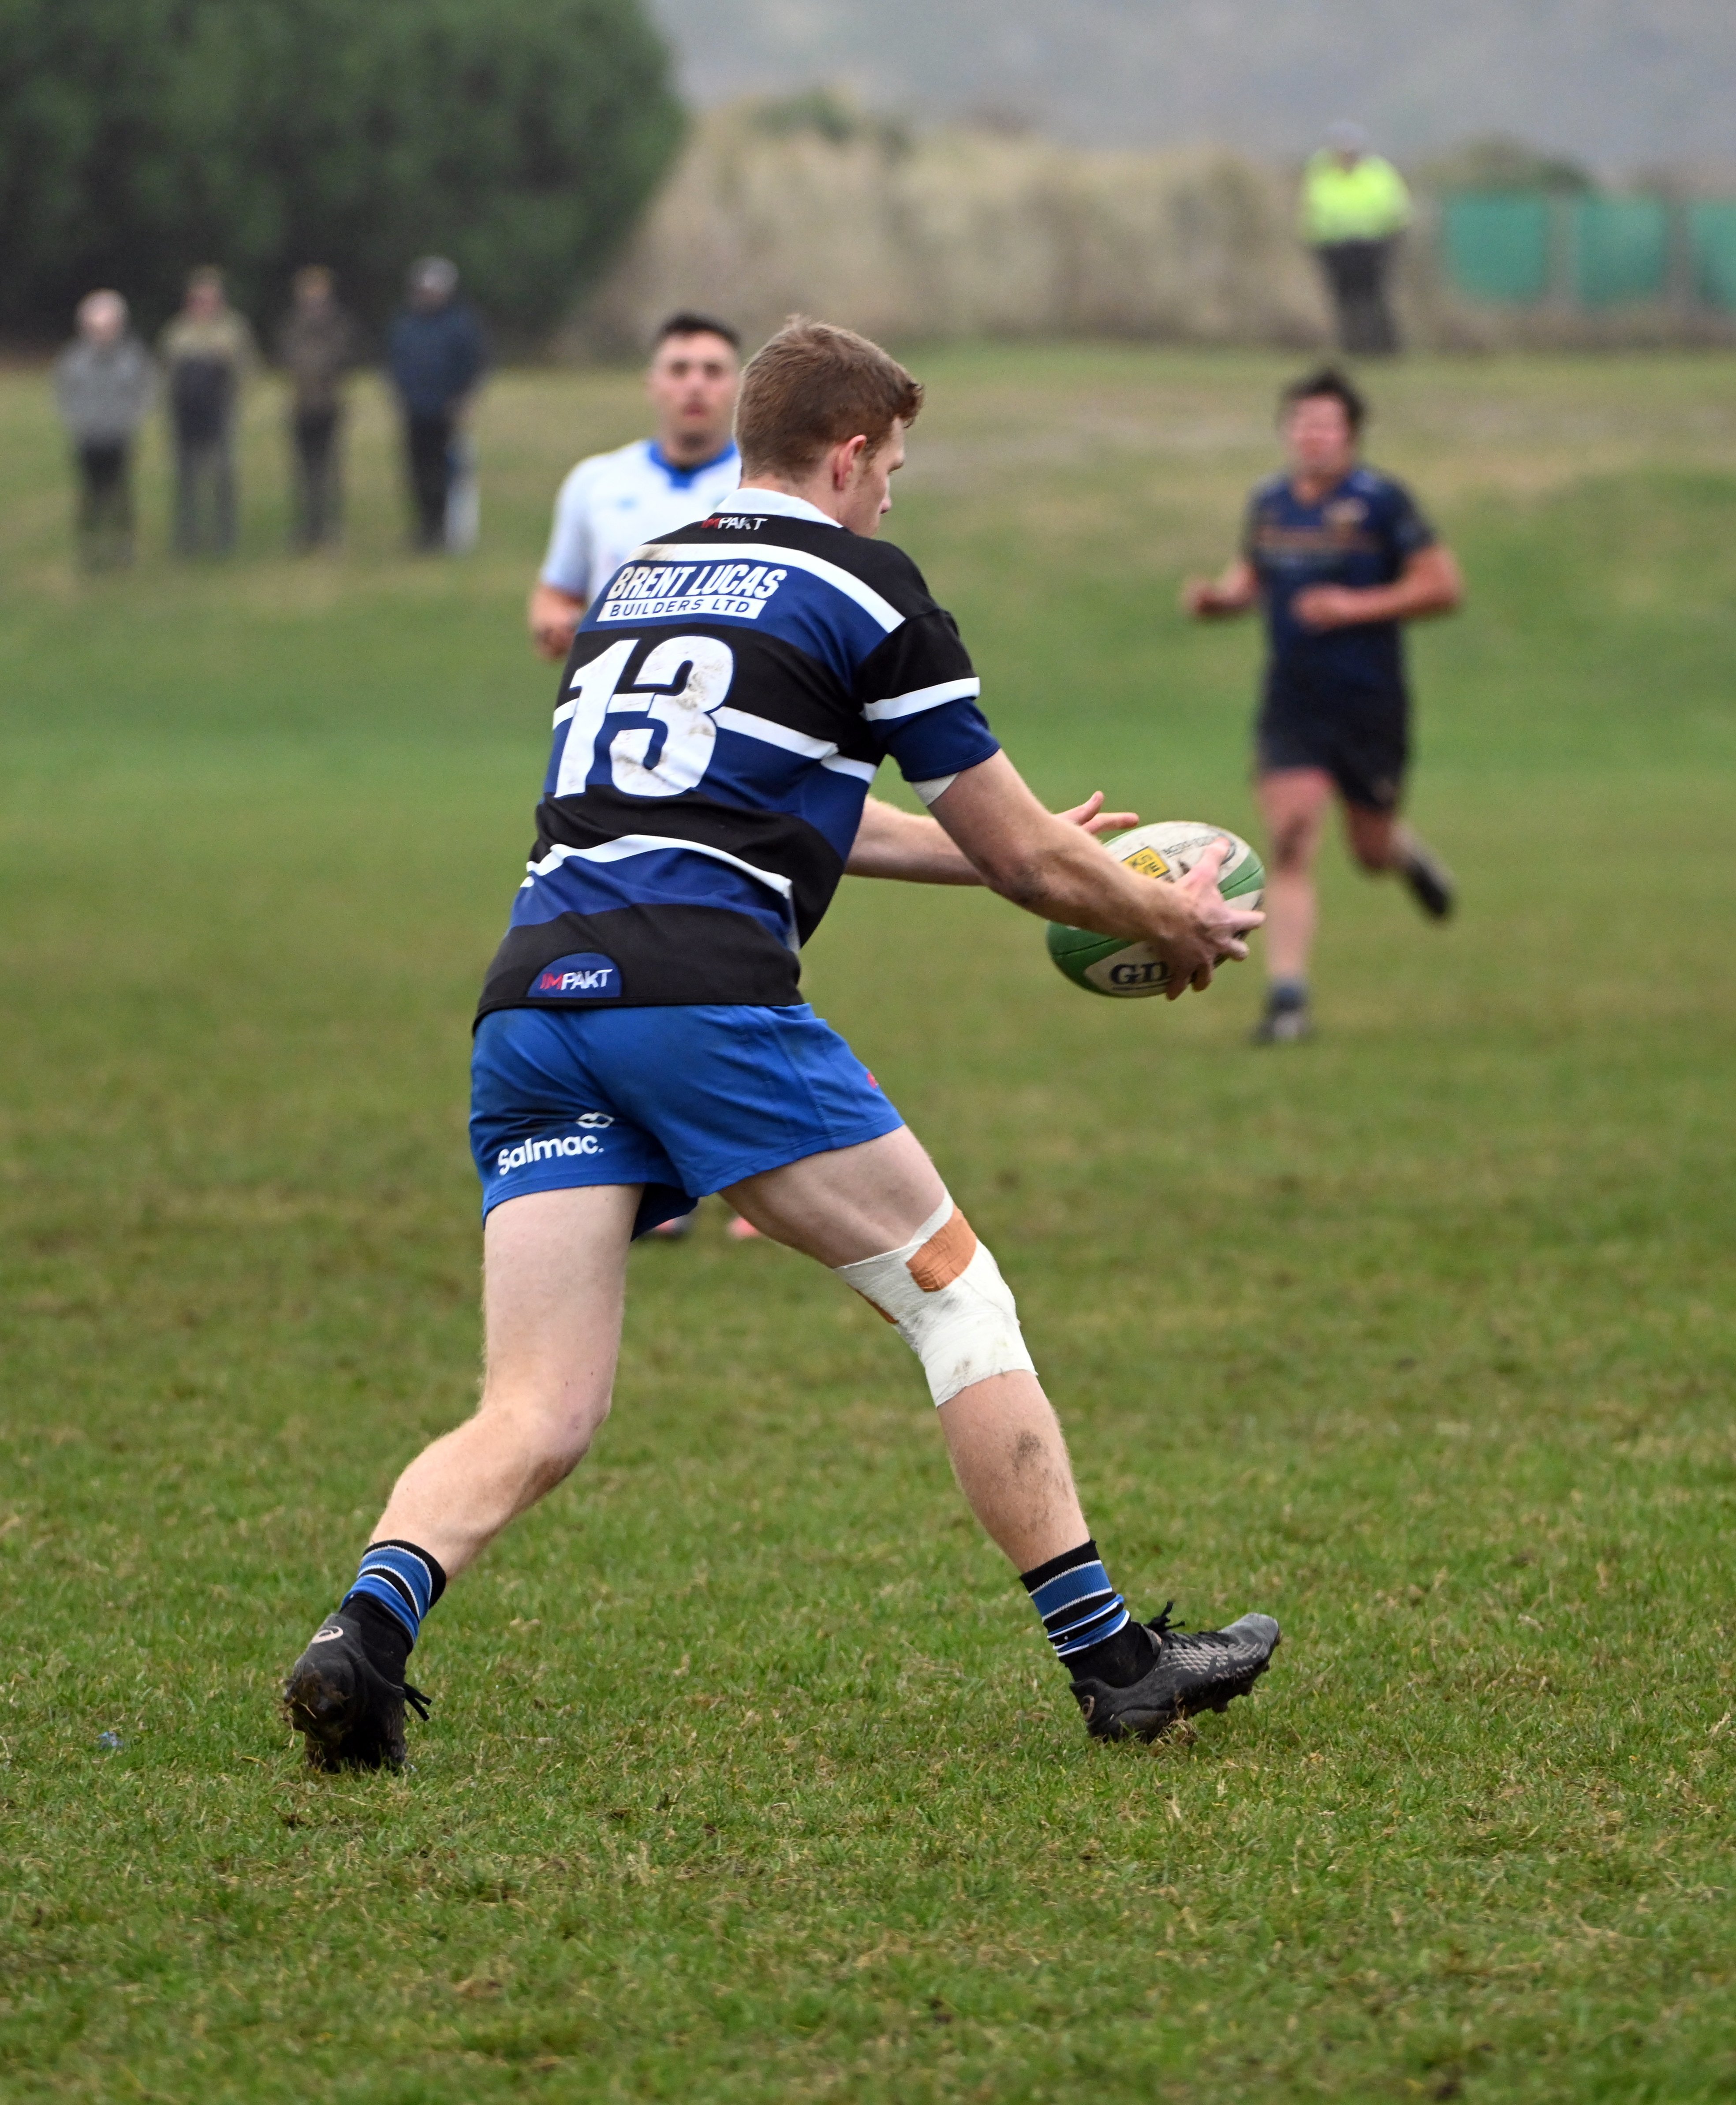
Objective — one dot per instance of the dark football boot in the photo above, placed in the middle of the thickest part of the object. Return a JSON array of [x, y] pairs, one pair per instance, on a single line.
[[351, 1714], [1430, 879], [1194, 1671]]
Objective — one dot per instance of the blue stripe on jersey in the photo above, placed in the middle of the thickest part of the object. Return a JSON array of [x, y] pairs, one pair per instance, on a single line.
[[755, 772], [574, 883], [940, 741], [759, 770], [766, 589]]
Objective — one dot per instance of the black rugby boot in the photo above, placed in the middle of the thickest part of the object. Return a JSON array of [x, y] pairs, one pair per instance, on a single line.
[[1286, 1021], [1430, 879], [351, 1714], [1194, 1671]]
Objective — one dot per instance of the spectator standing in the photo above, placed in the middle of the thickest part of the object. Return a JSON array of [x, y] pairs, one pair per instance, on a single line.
[[1354, 208], [103, 384], [207, 353], [437, 357], [318, 345]]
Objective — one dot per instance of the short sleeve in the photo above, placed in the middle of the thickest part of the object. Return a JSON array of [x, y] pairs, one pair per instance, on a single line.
[[917, 694], [567, 565], [1406, 528]]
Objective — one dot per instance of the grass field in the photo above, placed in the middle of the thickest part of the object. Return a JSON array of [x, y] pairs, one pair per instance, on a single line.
[[748, 1777]]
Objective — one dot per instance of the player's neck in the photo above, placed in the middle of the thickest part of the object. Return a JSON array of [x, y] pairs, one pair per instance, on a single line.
[[1309, 485], [816, 490], [689, 449]]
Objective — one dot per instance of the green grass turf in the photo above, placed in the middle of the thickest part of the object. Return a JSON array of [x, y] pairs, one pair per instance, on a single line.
[[748, 1777]]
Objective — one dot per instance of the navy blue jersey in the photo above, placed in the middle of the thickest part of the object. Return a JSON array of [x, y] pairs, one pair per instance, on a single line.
[[1361, 533], [730, 695]]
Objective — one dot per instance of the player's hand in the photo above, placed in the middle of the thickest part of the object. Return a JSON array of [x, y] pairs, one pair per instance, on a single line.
[[1095, 820], [1201, 598], [1328, 606], [1211, 933], [554, 617]]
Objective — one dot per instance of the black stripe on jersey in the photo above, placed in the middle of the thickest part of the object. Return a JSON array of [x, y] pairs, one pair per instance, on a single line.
[[667, 956], [773, 840]]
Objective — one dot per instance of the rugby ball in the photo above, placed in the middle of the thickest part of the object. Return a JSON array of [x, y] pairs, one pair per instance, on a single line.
[[1128, 972]]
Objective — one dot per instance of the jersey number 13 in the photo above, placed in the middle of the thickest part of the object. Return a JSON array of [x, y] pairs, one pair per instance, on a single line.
[[659, 734]]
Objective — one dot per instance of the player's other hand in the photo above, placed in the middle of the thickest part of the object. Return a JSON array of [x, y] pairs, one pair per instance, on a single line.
[[1328, 606], [1212, 930], [554, 617], [1204, 599], [1095, 820]]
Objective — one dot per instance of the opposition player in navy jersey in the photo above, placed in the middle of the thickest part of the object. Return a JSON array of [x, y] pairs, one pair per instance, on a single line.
[[611, 503], [641, 1040], [1339, 557]]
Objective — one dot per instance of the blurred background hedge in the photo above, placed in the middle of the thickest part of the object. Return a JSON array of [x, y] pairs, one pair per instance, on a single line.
[[139, 137]]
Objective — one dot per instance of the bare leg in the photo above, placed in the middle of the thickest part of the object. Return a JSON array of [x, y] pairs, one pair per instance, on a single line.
[[1005, 1443], [554, 1267], [1293, 802], [1377, 839]]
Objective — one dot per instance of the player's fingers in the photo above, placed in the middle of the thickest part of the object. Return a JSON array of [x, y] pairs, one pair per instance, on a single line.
[[1111, 822], [1203, 877]]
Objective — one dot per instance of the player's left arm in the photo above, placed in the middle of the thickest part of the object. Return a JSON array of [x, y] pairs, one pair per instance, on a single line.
[[903, 844], [1430, 584]]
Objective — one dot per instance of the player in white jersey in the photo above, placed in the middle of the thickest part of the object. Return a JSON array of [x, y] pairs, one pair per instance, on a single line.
[[613, 504]]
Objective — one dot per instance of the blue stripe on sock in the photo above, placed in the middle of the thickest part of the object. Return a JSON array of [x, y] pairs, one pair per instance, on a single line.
[[1061, 1592], [398, 1579], [378, 1588], [1074, 1640], [1079, 1608]]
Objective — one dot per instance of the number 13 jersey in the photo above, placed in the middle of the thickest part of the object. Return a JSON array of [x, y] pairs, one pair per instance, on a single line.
[[729, 697]]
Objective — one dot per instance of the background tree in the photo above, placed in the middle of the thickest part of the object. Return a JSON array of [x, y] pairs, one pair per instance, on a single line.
[[139, 137]]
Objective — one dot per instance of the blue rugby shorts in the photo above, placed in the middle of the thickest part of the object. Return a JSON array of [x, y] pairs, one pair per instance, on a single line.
[[685, 1100]]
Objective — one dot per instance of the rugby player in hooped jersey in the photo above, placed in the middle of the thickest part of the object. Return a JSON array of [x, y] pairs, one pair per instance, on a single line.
[[1339, 557], [641, 1040]]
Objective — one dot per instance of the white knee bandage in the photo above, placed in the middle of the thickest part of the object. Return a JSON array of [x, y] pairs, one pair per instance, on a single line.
[[951, 1306]]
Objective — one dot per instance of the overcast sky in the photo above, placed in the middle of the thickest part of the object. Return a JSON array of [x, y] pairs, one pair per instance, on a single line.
[[1618, 83]]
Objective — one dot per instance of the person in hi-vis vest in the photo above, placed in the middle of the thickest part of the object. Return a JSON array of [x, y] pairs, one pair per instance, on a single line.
[[1354, 206]]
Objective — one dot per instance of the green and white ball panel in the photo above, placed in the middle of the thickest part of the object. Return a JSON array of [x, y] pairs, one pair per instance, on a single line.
[[1167, 850]]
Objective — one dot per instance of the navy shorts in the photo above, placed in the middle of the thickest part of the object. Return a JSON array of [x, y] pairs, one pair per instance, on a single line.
[[684, 1100], [1361, 739]]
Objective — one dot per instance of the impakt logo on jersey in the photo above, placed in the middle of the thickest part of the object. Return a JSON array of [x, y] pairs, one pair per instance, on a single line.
[[581, 976], [556, 1145], [681, 592]]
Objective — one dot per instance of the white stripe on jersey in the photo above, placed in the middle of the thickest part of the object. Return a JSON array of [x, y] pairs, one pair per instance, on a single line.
[[794, 559], [920, 699], [792, 741], [773, 734], [638, 844]]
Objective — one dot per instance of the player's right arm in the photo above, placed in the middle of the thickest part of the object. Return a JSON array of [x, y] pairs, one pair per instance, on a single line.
[[1232, 592], [1056, 870]]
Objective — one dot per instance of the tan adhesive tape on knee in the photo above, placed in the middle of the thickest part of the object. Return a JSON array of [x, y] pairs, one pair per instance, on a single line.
[[945, 1293]]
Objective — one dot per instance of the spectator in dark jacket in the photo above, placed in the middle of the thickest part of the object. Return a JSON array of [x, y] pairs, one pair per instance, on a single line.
[[103, 383], [437, 357], [318, 345], [208, 352]]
